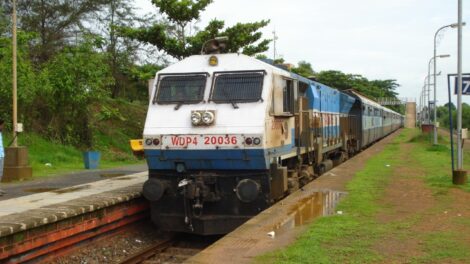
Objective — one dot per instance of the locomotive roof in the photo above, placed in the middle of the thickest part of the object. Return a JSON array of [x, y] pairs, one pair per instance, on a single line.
[[241, 62], [371, 102]]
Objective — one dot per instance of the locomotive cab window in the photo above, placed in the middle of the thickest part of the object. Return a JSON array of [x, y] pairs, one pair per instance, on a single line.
[[181, 89], [237, 87]]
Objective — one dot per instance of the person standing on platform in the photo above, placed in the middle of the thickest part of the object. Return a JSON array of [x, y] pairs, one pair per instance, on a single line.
[[2, 154]]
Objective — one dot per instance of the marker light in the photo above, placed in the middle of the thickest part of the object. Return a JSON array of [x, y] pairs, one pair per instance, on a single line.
[[196, 118], [213, 61], [249, 141], [156, 141], [257, 141], [208, 118], [148, 141]]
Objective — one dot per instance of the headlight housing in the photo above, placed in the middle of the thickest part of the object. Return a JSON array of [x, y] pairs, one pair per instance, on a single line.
[[196, 118], [201, 117], [208, 118]]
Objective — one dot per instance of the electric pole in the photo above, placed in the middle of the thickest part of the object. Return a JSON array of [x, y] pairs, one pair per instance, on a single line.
[[15, 78]]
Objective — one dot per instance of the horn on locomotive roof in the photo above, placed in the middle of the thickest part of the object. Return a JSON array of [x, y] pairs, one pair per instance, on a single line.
[[214, 46]]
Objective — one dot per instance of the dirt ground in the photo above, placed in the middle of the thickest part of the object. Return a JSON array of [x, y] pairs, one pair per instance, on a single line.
[[250, 240], [414, 206]]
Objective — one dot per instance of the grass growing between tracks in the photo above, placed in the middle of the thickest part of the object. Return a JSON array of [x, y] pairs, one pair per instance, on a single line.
[[373, 230]]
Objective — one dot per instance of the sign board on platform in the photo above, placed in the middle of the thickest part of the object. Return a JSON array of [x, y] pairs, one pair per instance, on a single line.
[[465, 85]]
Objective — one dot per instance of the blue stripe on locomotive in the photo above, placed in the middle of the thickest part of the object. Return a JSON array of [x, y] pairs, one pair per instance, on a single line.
[[221, 159], [320, 98]]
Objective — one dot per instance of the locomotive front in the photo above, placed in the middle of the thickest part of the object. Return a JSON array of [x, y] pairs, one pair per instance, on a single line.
[[204, 141]]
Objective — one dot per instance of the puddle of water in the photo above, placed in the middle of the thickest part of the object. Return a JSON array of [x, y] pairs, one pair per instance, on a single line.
[[72, 189], [122, 179], [40, 190], [306, 210], [111, 175]]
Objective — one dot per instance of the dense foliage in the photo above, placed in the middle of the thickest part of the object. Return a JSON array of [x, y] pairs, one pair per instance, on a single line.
[[371, 88], [443, 115], [77, 58], [173, 37], [74, 56]]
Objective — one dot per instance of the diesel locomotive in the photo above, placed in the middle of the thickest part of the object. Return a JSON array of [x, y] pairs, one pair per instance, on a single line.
[[228, 135]]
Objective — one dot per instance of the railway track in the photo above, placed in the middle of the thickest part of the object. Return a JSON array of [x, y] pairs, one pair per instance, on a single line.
[[175, 249]]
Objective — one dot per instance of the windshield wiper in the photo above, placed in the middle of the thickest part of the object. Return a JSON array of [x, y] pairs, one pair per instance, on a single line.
[[179, 105], [235, 106]]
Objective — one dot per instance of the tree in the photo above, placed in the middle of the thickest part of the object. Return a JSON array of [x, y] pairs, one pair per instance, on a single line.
[[56, 22], [71, 81], [173, 36], [121, 52], [27, 77], [304, 69], [374, 89]]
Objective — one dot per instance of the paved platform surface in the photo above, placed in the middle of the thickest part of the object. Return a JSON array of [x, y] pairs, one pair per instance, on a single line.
[[17, 189], [22, 213], [280, 225]]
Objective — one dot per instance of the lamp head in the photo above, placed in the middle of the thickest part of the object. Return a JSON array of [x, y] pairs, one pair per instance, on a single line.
[[455, 25]]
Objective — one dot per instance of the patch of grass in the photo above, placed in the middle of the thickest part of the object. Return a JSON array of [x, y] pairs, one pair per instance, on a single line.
[[436, 162], [443, 247], [349, 238], [49, 158], [113, 123], [356, 236]]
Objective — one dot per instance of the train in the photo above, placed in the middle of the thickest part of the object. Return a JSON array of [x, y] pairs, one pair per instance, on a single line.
[[228, 135]]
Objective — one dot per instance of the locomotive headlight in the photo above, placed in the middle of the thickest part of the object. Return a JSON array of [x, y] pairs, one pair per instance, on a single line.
[[208, 118], [196, 118], [247, 190]]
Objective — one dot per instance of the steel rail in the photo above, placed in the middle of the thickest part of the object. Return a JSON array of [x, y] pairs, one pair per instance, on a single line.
[[149, 252]]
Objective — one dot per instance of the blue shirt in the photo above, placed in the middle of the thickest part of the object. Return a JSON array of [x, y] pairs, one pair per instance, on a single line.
[[2, 152]]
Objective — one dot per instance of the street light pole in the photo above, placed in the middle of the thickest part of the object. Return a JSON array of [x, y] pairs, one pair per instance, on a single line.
[[459, 176], [434, 83], [429, 85], [425, 98], [459, 89], [14, 81]]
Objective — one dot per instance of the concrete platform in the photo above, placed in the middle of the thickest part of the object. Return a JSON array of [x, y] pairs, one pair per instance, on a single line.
[[279, 225], [37, 220], [42, 184]]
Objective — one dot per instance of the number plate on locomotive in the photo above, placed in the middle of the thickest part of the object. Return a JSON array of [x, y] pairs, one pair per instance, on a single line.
[[201, 141]]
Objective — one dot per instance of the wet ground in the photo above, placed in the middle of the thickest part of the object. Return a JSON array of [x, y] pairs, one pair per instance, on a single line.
[[54, 183], [284, 222]]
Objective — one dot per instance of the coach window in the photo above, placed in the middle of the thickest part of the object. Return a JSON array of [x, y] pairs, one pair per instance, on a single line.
[[288, 97]]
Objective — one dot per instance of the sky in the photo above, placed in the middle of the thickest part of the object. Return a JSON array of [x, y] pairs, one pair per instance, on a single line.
[[379, 39]]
